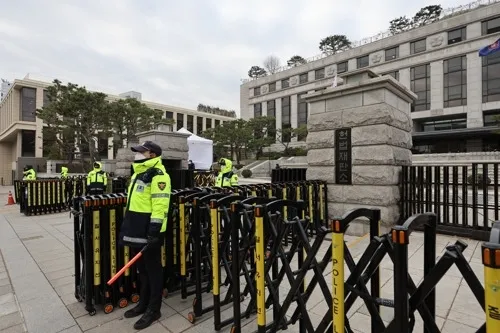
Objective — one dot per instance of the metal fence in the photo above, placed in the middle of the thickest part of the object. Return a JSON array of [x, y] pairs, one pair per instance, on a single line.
[[464, 198]]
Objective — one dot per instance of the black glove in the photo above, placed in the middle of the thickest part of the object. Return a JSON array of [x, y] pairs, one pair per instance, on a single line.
[[153, 241]]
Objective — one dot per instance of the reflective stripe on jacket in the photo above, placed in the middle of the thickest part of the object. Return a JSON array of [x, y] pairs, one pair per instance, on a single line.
[[97, 178], [225, 174], [29, 175], [148, 203]]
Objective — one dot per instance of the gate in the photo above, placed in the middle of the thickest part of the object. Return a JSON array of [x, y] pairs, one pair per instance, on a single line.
[[464, 198]]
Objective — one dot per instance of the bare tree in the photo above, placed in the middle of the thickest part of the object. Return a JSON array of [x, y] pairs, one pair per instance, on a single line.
[[272, 64]]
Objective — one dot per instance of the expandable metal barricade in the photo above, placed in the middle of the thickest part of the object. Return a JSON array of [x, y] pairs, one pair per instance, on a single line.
[[54, 195], [240, 244], [187, 253]]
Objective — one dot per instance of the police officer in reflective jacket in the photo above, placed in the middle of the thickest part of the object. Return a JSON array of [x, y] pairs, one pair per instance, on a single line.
[[145, 223]]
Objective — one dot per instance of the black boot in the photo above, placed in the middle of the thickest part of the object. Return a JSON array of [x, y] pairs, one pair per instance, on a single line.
[[136, 311], [147, 319]]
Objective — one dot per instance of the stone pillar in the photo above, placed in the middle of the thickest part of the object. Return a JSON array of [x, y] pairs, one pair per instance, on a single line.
[[376, 110]]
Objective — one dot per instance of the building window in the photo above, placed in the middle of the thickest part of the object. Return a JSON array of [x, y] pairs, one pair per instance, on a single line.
[[492, 118], [285, 118], [491, 77], [46, 101], [217, 122], [491, 26], [363, 61], [420, 84], [418, 46], [199, 125], [394, 74], [441, 146], [301, 114], [169, 115], [319, 74], [455, 81], [190, 123], [257, 110], [342, 67], [180, 121], [272, 87], [271, 112], [28, 104], [28, 143], [303, 78], [391, 54], [208, 122], [285, 83], [457, 35], [444, 124], [256, 91]]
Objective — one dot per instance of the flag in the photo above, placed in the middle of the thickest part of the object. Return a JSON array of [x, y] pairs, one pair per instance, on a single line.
[[487, 50], [334, 81]]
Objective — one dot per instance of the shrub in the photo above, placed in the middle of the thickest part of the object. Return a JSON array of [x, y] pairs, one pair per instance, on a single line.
[[247, 173], [479, 180]]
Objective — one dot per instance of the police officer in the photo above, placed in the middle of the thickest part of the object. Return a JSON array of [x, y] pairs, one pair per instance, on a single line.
[[96, 180], [29, 173], [145, 223], [64, 172], [226, 176]]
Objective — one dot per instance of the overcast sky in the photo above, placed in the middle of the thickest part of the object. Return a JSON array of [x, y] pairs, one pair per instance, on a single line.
[[177, 52]]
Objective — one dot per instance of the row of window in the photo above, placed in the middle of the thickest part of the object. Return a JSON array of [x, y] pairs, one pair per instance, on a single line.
[[455, 82], [190, 122], [286, 114], [444, 146], [454, 36]]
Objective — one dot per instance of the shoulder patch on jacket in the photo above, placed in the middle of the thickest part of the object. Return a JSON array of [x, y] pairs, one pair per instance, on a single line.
[[162, 186]]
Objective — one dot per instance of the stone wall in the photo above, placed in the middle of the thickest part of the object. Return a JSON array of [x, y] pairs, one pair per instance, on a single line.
[[174, 147], [377, 109]]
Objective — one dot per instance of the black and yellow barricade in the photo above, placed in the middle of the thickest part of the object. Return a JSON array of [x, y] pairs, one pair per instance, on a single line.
[[188, 246], [204, 178], [44, 197], [97, 222], [271, 228], [242, 266], [201, 228], [366, 269], [174, 259], [232, 229], [491, 262]]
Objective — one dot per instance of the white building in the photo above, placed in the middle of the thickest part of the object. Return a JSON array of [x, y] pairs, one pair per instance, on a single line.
[[458, 91]]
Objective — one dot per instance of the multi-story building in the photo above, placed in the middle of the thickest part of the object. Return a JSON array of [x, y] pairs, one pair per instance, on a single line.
[[458, 104], [21, 133]]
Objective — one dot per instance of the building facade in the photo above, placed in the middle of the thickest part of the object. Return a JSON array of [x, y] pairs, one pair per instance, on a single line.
[[458, 105], [21, 135]]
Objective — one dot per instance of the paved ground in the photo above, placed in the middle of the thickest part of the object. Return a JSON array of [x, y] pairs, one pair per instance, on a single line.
[[37, 285]]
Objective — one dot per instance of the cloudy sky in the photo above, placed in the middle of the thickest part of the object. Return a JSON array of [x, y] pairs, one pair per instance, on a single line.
[[177, 52]]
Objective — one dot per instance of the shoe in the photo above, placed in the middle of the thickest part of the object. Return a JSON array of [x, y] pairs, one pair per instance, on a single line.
[[134, 312], [147, 319]]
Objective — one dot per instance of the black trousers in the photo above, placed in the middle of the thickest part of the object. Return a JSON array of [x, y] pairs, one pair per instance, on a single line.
[[151, 277]]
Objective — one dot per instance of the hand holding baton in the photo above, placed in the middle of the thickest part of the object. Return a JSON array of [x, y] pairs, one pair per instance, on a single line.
[[127, 266]]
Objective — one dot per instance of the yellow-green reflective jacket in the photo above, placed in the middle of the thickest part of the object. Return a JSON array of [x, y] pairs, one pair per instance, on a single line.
[[148, 202]]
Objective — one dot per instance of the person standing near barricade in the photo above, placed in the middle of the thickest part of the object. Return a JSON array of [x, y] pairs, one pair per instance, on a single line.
[[144, 224], [64, 172], [96, 180], [29, 173], [225, 175]]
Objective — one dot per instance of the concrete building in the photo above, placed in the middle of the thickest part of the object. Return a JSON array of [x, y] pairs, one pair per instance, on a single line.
[[458, 91], [21, 137]]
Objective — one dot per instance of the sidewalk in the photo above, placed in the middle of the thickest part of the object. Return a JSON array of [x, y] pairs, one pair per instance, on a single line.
[[39, 274]]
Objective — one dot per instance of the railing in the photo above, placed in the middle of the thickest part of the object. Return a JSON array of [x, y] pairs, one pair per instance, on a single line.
[[446, 13], [463, 206]]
